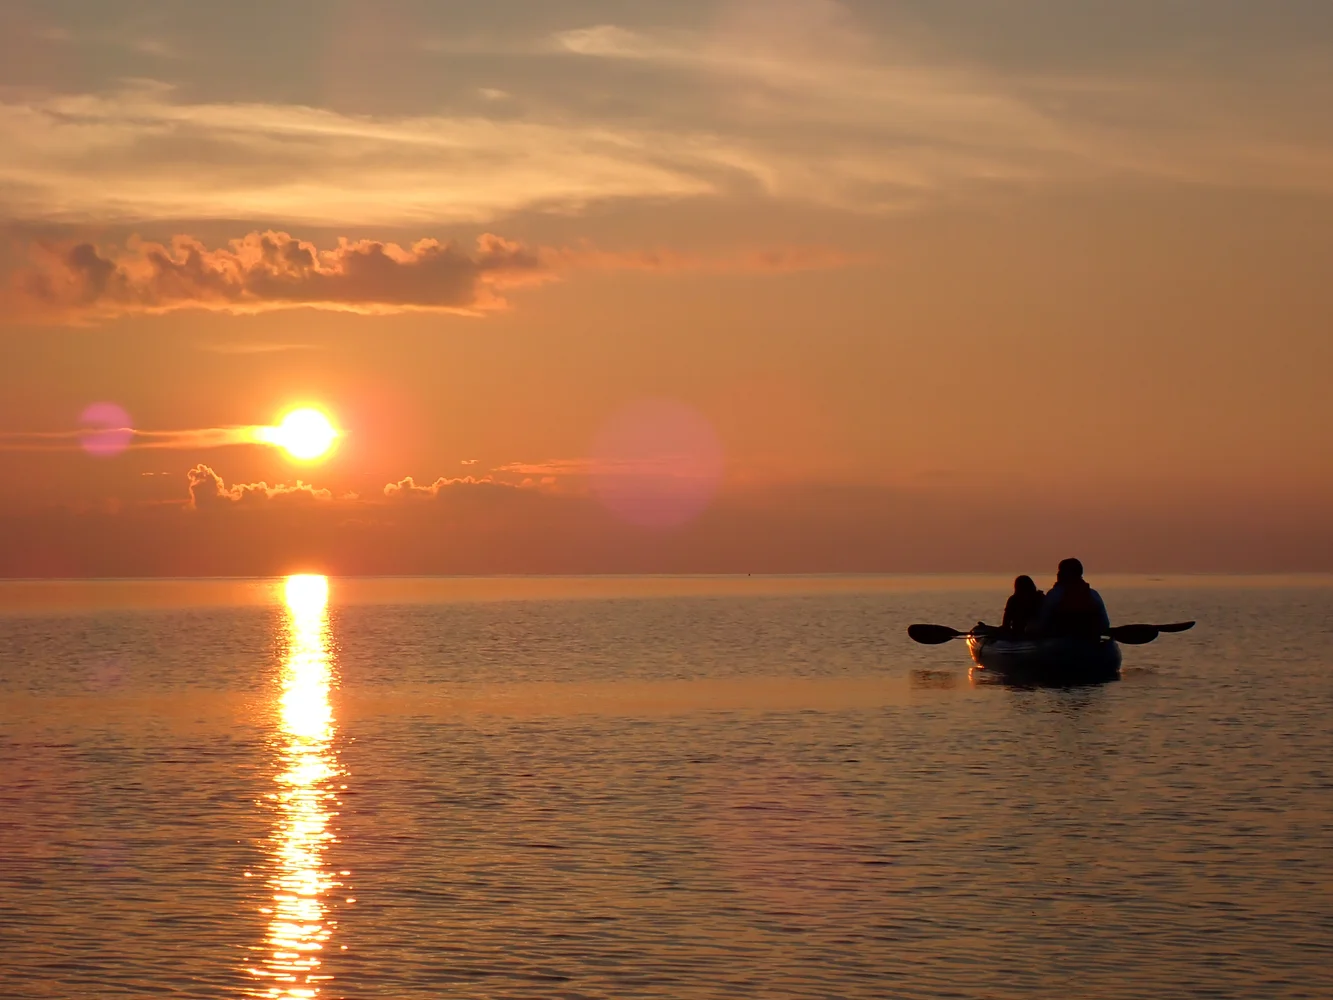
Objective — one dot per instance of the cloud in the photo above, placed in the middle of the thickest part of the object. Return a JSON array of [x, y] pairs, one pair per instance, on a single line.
[[483, 504], [266, 271], [139, 154], [821, 111], [406, 490], [793, 103], [840, 127], [552, 467], [208, 492], [272, 270], [75, 440], [475, 527], [253, 347], [654, 463], [139, 44], [769, 260]]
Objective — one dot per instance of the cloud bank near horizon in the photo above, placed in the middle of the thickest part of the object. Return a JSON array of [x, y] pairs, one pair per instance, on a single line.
[[481, 526]]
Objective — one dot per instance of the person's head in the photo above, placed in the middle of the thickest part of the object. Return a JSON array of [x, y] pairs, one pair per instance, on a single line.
[[1070, 571], [1024, 585]]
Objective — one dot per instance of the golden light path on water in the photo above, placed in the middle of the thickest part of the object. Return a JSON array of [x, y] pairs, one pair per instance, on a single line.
[[300, 926]]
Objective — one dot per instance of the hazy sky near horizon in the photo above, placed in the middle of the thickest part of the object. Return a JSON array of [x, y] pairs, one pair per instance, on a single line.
[[932, 283]]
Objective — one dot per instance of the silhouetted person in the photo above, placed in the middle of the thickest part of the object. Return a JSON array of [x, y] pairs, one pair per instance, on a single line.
[[1023, 606], [1072, 608]]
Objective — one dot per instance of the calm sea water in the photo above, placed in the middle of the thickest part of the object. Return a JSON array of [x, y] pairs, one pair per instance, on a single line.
[[654, 788]]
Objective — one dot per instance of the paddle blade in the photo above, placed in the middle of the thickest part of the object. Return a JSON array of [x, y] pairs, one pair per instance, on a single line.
[[1134, 635], [1177, 627], [932, 635]]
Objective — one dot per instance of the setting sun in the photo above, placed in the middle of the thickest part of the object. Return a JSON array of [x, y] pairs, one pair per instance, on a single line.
[[304, 434]]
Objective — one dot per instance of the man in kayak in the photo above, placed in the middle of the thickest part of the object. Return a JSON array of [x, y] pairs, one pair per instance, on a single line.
[[1071, 608]]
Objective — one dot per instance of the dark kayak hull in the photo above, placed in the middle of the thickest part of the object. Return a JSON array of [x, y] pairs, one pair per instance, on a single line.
[[1046, 661]]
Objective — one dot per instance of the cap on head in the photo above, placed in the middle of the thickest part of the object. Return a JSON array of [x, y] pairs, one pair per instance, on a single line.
[[1070, 569]]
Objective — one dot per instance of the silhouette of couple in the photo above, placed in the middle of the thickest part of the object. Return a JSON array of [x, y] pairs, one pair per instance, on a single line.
[[1071, 608]]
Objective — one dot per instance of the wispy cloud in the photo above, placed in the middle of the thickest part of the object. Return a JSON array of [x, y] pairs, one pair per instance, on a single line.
[[137, 42], [869, 123], [762, 260], [552, 467], [140, 155], [793, 103], [106, 439], [75, 440], [253, 347]]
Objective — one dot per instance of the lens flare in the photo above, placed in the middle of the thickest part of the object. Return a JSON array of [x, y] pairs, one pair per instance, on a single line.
[[107, 430], [305, 434], [657, 464]]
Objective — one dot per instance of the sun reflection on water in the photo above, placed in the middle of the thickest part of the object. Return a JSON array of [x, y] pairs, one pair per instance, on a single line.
[[300, 925]]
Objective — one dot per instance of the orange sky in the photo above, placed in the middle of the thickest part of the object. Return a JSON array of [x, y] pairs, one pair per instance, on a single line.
[[729, 286]]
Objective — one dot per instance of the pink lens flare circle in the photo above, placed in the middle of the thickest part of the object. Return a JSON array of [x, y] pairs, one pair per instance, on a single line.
[[657, 464], [107, 430]]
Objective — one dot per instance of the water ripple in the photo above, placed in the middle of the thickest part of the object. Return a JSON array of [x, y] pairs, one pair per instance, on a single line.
[[668, 797]]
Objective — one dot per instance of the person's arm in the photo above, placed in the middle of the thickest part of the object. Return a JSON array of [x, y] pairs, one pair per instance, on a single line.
[[1008, 621], [1105, 619]]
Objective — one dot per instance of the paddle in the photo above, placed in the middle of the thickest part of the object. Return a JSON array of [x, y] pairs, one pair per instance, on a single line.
[[1138, 635], [1134, 635], [934, 635], [1129, 635]]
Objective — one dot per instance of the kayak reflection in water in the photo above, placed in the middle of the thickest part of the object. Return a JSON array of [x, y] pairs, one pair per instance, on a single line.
[[1022, 608], [1071, 608]]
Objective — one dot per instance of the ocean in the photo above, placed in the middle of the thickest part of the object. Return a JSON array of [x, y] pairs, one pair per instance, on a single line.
[[655, 787]]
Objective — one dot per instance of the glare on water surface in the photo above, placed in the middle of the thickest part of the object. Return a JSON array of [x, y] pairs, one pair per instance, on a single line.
[[300, 926]]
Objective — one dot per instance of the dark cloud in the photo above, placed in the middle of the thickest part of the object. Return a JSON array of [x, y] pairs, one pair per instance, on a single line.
[[274, 270]]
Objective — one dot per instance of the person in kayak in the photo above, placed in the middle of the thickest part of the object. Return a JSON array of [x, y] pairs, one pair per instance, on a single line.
[[1023, 606], [1071, 608]]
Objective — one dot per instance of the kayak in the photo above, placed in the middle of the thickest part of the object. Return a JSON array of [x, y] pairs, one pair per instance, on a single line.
[[1045, 661]]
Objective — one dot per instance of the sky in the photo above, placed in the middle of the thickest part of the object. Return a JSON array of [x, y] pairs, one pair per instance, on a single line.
[[687, 286]]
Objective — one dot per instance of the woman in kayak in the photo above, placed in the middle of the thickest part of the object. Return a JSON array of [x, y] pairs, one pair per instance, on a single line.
[[1072, 608], [1023, 606]]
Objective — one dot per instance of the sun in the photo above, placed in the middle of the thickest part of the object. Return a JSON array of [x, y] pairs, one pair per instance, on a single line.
[[305, 434]]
